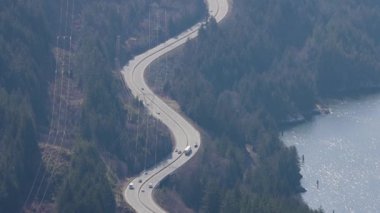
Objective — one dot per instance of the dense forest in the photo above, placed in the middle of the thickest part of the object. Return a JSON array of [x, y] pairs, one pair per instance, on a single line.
[[23, 91], [270, 60], [70, 132], [67, 123]]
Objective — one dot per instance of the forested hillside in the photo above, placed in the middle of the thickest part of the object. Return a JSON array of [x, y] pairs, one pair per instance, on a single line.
[[69, 132], [24, 61], [270, 60], [67, 123]]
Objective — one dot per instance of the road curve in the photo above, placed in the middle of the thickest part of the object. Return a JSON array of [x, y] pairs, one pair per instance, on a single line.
[[141, 198]]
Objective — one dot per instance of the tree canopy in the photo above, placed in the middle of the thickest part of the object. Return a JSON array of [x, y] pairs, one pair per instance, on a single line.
[[271, 59], [86, 187]]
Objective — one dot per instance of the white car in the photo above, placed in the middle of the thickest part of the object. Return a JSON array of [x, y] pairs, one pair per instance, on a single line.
[[150, 185], [131, 186]]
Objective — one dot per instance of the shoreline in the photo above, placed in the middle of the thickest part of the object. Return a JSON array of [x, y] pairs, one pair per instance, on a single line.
[[340, 152]]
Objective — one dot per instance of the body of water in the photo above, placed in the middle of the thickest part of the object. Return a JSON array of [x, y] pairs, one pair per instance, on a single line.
[[341, 168]]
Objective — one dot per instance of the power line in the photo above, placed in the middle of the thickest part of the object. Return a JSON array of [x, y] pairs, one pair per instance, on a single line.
[[155, 83], [147, 103], [146, 140], [59, 121], [149, 28], [166, 55], [138, 125], [155, 146], [51, 128], [62, 67], [67, 93]]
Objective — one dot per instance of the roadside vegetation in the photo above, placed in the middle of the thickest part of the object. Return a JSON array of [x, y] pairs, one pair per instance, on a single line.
[[271, 59], [268, 61], [54, 148]]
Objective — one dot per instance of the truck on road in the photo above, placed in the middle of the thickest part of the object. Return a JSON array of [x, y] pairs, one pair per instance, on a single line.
[[187, 150]]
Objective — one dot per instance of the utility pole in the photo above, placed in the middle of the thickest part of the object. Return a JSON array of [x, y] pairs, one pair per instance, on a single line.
[[166, 55], [117, 53]]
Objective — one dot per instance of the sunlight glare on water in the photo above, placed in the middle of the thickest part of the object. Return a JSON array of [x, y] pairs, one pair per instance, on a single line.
[[342, 153]]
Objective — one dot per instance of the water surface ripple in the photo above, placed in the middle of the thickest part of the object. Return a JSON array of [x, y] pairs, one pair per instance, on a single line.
[[342, 153]]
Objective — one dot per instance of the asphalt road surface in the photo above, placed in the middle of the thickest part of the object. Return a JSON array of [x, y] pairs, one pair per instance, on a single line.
[[141, 197]]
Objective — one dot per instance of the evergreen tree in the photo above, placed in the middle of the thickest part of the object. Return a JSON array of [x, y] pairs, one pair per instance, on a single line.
[[86, 187], [19, 153]]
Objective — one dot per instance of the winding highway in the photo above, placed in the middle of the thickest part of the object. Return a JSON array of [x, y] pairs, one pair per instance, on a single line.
[[141, 197]]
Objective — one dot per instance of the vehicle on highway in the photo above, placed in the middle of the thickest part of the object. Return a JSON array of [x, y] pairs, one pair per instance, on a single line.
[[140, 181], [150, 185], [131, 186], [196, 145], [183, 132], [187, 150]]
